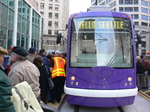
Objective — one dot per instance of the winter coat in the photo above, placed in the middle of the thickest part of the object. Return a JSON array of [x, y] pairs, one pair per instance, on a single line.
[[25, 71], [139, 68], [6, 105], [45, 59], [31, 57], [43, 79]]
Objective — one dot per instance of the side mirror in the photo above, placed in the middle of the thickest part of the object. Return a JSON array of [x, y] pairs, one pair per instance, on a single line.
[[58, 41], [139, 39]]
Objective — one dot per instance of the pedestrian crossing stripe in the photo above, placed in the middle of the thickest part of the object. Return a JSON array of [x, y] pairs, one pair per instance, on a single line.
[[143, 94]]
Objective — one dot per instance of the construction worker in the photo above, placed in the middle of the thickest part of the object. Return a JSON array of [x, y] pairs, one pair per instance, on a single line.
[[57, 66]]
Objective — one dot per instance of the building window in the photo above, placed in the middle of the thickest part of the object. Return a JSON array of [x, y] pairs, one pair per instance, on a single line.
[[56, 7], [120, 2], [144, 24], [55, 32], [42, 13], [143, 51], [113, 4], [50, 23], [56, 15], [135, 1], [47, 42], [128, 9], [136, 23], [42, 5], [144, 17], [143, 43], [120, 9], [50, 6], [56, 0], [136, 16], [114, 10], [107, 1], [50, 32], [103, 3], [128, 1], [144, 10], [145, 3], [135, 9], [56, 24], [132, 16], [50, 0], [54, 42], [50, 15]]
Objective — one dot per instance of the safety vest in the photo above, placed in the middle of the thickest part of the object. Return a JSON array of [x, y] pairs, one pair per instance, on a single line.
[[59, 67]]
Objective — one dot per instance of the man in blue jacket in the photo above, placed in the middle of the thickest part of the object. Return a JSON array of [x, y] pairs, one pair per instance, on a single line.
[[6, 105]]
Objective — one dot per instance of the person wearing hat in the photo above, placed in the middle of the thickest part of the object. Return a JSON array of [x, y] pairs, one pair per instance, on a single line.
[[23, 70], [32, 54], [6, 105]]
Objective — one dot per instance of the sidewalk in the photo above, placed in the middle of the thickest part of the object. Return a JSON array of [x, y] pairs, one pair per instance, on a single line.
[[146, 92], [56, 105]]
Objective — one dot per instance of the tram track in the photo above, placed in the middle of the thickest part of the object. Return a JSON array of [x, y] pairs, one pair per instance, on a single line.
[[97, 109], [66, 107], [77, 107], [120, 109]]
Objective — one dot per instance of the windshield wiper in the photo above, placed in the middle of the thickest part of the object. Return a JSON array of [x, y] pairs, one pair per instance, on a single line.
[[103, 38], [114, 56], [117, 53]]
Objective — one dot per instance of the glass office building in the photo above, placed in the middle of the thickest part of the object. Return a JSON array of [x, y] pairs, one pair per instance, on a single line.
[[20, 24], [140, 12]]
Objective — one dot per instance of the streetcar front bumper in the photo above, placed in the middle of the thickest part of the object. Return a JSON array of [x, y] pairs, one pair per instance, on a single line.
[[100, 98]]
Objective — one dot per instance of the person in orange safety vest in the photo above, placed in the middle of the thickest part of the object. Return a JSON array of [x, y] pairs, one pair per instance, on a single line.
[[57, 66]]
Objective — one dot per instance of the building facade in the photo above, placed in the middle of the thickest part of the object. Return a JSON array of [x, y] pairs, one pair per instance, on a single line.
[[140, 12], [55, 14], [20, 24]]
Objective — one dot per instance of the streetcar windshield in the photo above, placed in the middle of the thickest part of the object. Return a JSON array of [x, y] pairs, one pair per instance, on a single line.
[[101, 41]]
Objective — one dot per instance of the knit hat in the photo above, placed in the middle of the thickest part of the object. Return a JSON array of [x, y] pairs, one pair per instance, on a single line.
[[32, 50], [138, 57], [20, 51], [4, 51]]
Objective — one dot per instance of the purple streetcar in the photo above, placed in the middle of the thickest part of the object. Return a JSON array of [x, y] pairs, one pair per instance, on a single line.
[[101, 69]]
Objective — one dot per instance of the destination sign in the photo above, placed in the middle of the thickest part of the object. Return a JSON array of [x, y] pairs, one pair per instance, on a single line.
[[101, 24]]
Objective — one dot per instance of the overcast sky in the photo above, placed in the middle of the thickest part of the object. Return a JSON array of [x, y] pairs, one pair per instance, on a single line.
[[79, 5]]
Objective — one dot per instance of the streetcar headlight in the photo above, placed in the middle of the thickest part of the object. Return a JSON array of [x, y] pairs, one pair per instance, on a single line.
[[73, 78], [129, 78]]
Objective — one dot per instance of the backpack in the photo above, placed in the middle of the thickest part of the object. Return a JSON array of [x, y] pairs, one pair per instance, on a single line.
[[149, 69]]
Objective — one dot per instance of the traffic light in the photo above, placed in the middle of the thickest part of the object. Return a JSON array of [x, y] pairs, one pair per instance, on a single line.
[[58, 41]]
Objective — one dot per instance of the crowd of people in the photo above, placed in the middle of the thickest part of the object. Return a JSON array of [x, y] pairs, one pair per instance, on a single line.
[[18, 65], [142, 71]]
